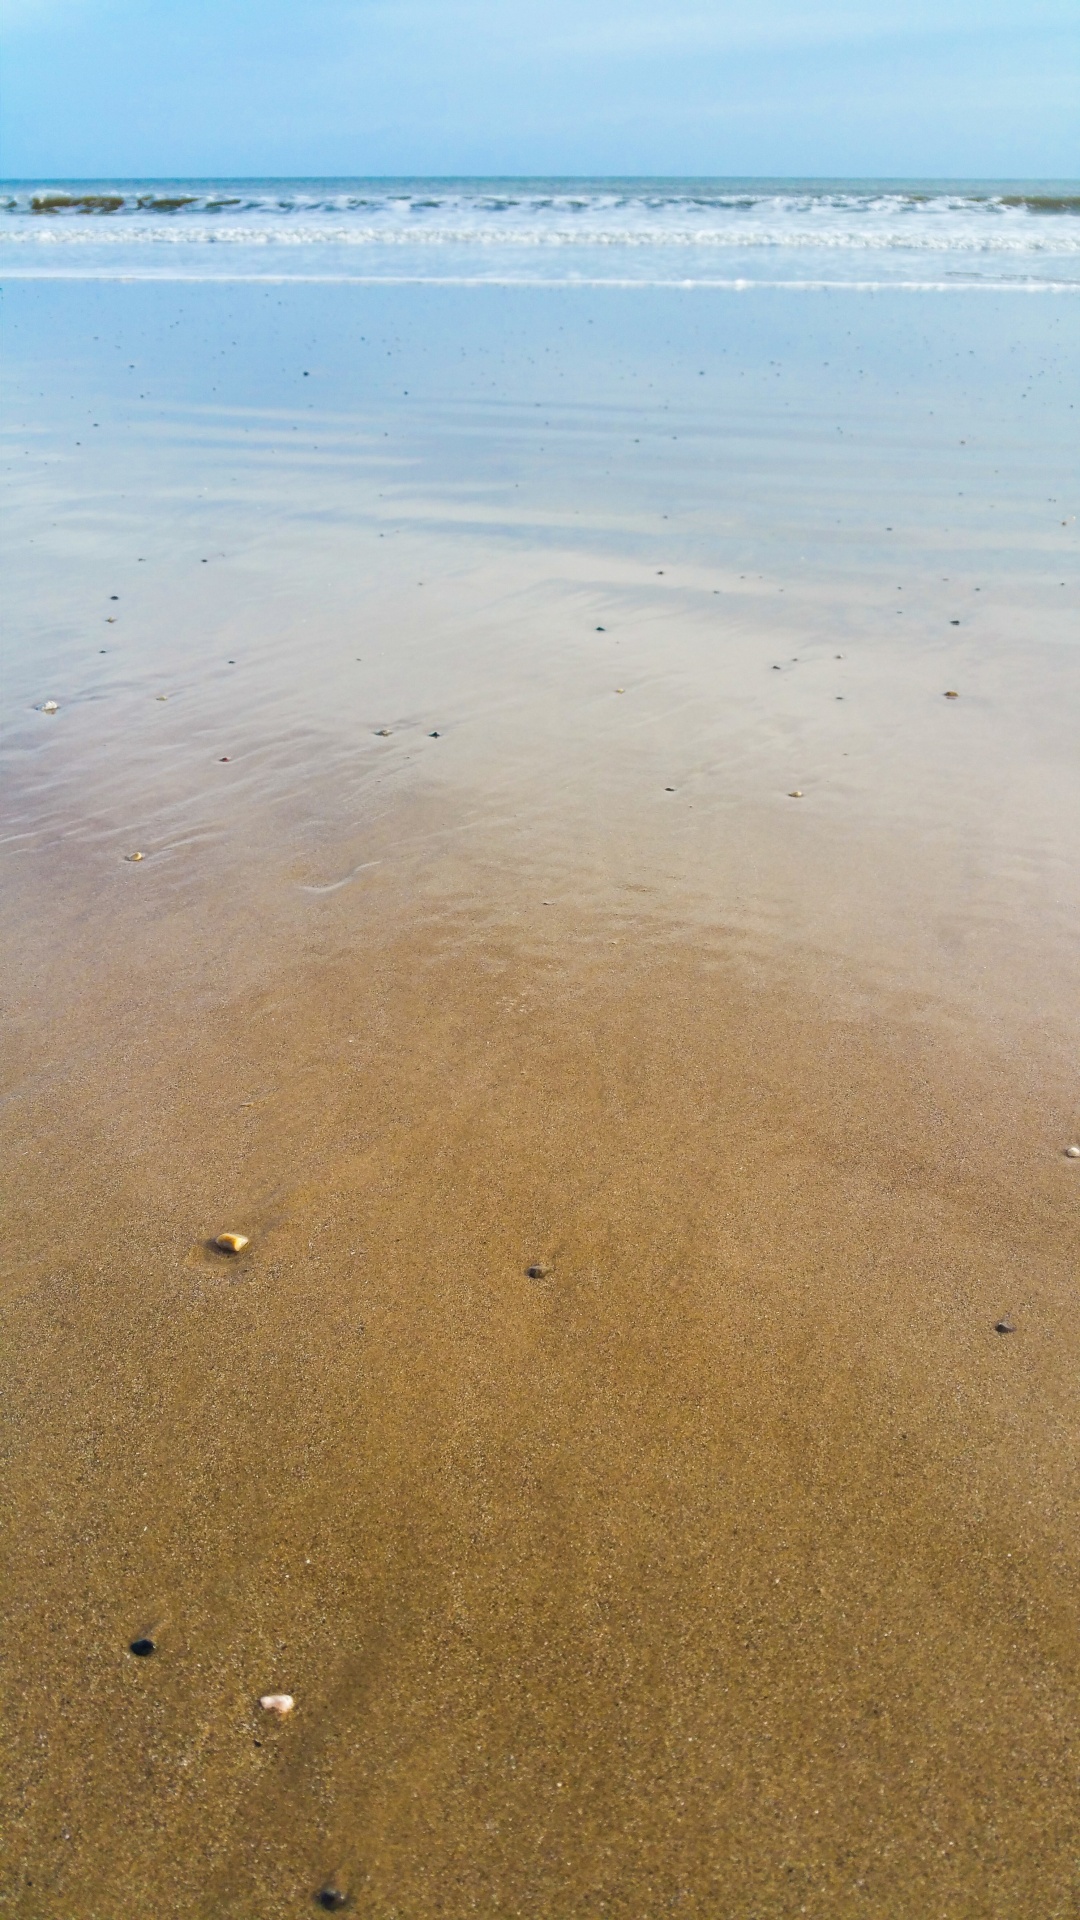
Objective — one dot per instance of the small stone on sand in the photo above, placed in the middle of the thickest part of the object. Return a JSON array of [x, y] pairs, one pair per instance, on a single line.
[[382, 733], [330, 1899], [134, 856], [537, 1272], [1004, 1326], [142, 1647], [50, 706], [952, 694], [232, 1242], [796, 793], [1072, 1153]]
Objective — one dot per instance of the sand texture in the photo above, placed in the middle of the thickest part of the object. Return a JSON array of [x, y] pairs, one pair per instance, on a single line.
[[631, 1016]]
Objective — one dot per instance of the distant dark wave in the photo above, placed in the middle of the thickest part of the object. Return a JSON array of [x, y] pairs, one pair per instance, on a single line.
[[426, 203]]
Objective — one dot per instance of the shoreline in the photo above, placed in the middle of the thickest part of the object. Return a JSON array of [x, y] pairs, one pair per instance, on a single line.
[[558, 853]]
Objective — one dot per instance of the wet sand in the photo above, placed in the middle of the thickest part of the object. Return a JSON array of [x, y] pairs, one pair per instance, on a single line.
[[727, 1563]]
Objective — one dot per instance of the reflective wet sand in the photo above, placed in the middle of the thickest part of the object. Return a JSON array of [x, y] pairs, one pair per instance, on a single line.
[[726, 1563]]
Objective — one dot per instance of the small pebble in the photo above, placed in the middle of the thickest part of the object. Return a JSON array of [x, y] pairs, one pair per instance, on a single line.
[[331, 1899], [382, 733], [134, 856], [601, 629], [952, 694], [162, 696], [620, 689], [434, 736], [796, 793], [1004, 1326], [954, 623], [142, 1647], [538, 1272], [50, 706], [279, 1704], [232, 1242], [1072, 1153]]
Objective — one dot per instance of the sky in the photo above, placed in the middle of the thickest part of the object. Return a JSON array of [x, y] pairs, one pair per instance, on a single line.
[[153, 89]]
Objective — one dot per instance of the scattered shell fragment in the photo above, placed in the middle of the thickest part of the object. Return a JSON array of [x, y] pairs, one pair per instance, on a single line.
[[796, 793], [161, 696], [1004, 1326], [134, 856], [538, 1271], [50, 706], [232, 1242], [952, 694], [620, 689], [279, 1704], [1072, 1153], [383, 733]]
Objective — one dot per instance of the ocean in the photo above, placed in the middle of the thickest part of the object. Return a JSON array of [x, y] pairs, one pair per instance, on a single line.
[[729, 233]]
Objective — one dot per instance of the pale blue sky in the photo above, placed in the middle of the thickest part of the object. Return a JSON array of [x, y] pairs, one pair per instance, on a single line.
[[984, 88]]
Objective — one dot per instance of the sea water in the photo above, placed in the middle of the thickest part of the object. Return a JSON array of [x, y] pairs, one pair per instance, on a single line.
[[924, 234]]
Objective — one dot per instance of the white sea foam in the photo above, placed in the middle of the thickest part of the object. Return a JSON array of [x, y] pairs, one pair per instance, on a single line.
[[464, 230]]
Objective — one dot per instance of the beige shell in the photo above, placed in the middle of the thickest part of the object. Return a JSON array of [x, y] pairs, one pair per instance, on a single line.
[[134, 856], [1072, 1153], [279, 1704], [232, 1242]]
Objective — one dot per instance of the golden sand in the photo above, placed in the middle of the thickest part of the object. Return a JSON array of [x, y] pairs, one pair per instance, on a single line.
[[727, 1567]]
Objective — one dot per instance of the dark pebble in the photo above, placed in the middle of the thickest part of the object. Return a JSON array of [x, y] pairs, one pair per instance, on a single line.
[[601, 629], [1004, 1326], [331, 1899], [538, 1273], [141, 1648], [434, 736], [954, 623]]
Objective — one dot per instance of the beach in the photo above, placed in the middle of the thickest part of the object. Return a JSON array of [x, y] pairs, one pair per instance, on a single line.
[[557, 827]]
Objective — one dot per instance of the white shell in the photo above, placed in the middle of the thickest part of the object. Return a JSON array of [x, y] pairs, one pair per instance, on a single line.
[[1072, 1153], [50, 706], [279, 1704]]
